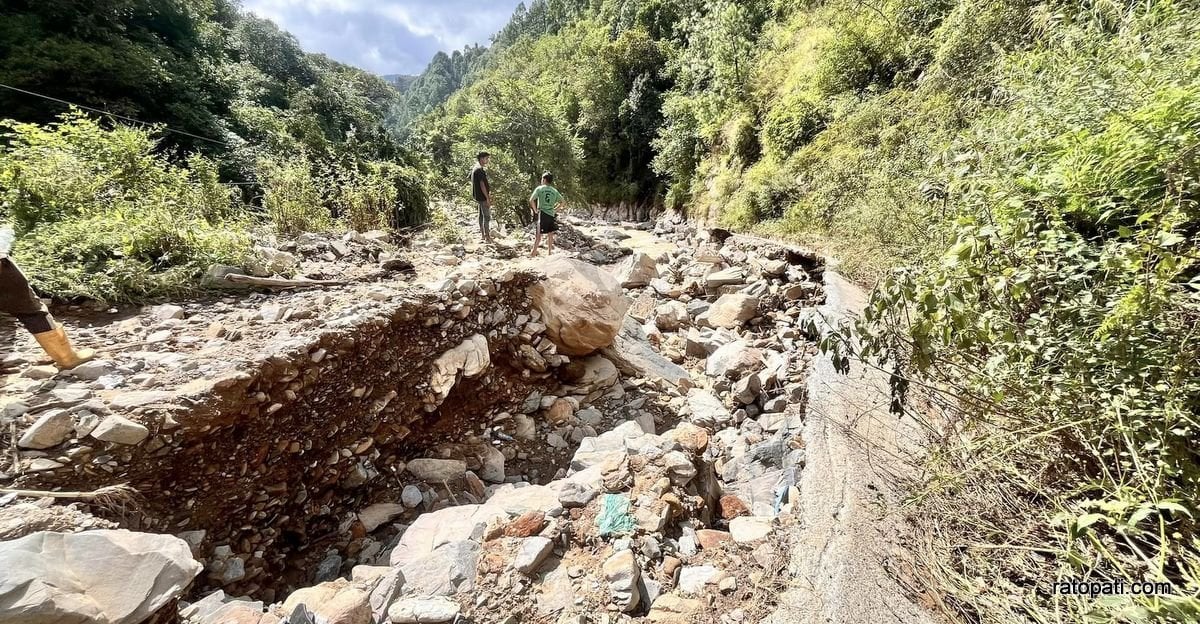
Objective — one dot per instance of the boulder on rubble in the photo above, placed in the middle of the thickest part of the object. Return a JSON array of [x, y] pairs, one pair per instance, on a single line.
[[633, 354], [581, 305], [268, 261], [637, 270], [734, 360], [731, 310], [94, 577]]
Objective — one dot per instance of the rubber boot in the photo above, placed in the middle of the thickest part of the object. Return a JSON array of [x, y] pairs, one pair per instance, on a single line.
[[58, 347]]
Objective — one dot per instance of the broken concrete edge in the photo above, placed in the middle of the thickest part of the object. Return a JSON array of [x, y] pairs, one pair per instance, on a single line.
[[844, 551]]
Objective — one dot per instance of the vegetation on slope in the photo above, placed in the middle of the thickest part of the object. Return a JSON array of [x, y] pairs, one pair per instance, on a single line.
[[296, 134]]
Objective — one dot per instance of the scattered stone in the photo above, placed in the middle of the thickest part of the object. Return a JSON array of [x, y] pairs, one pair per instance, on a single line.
[[168, 312], [734, 360], [120, 430], [338, 601], [670, 316], [692, 579], [531, 553], [50, 429], [746, 529], [436, 471], [526, 525], [622, 573], [411, 496], [675, 609], [91, 371], [732, 310], [40, 372], [560, 411], [637, 270], [379, 514], [576, 495], [726, 277], [423, 610], [710, 538], [731, 507], [492, 468]]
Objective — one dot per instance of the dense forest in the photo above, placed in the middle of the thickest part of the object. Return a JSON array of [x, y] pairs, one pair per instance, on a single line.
[[1018, 179]]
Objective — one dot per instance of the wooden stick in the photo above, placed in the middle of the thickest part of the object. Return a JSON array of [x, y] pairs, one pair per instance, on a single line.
[[279, 282]]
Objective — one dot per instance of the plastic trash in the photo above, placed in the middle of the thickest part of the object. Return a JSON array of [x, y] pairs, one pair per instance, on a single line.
[[614, 517]]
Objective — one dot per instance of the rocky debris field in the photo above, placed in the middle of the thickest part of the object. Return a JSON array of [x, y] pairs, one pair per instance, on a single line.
[[455, 434]]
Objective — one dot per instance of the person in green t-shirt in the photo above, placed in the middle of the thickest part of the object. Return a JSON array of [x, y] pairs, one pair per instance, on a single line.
[[543, 204]]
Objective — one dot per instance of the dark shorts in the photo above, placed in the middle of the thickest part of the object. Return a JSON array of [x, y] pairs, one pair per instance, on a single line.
[[548, 223]]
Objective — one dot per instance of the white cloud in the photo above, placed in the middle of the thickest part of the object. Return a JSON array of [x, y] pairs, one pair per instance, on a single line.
[[386, 36]]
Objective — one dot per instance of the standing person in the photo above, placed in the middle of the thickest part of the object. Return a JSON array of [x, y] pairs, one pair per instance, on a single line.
[[19, 300], [543, 203], [482, 192]]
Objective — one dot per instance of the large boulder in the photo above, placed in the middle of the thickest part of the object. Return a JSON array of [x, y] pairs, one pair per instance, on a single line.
[[581, 305], [94, 577], [732, 310], [637, 270]]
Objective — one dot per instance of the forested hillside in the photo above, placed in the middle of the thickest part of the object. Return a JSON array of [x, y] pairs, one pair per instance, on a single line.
[[238, 114]]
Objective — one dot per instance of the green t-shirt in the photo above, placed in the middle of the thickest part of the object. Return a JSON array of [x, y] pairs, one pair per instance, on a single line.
[[547, 198]]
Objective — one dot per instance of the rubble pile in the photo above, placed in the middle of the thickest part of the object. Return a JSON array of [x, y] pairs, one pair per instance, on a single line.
[[514, 442]]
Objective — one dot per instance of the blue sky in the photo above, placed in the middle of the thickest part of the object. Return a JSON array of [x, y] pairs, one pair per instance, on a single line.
[[386, 36]]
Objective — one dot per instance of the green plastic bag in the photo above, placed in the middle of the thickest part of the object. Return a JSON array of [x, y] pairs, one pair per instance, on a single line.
[[614, 517]]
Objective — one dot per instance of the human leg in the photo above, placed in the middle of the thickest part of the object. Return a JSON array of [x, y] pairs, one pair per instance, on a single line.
[[19, 300]]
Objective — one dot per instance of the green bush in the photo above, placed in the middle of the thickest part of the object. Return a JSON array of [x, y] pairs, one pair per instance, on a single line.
[[790, 123], [291, 196], [1063, 319], [98, 213]]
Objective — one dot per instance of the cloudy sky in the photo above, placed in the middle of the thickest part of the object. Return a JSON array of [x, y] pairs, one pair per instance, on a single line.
[[386, 36]]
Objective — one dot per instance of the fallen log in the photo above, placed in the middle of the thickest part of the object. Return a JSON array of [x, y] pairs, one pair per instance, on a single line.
[[278, 282]]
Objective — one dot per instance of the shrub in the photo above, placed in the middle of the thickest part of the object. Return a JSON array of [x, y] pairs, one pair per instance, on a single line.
[[99, 214], [291, 197], [791, 122]]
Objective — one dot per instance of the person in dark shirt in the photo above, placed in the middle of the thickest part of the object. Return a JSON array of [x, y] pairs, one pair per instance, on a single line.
[[482, 192]]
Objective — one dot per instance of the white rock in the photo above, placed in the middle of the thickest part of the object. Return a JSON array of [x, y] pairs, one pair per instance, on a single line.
[[423, 610], [745, 529], [50, 429], [119, 430], [692, 579], [93, 577], [531, 553], [379, 514], [470, 358]]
